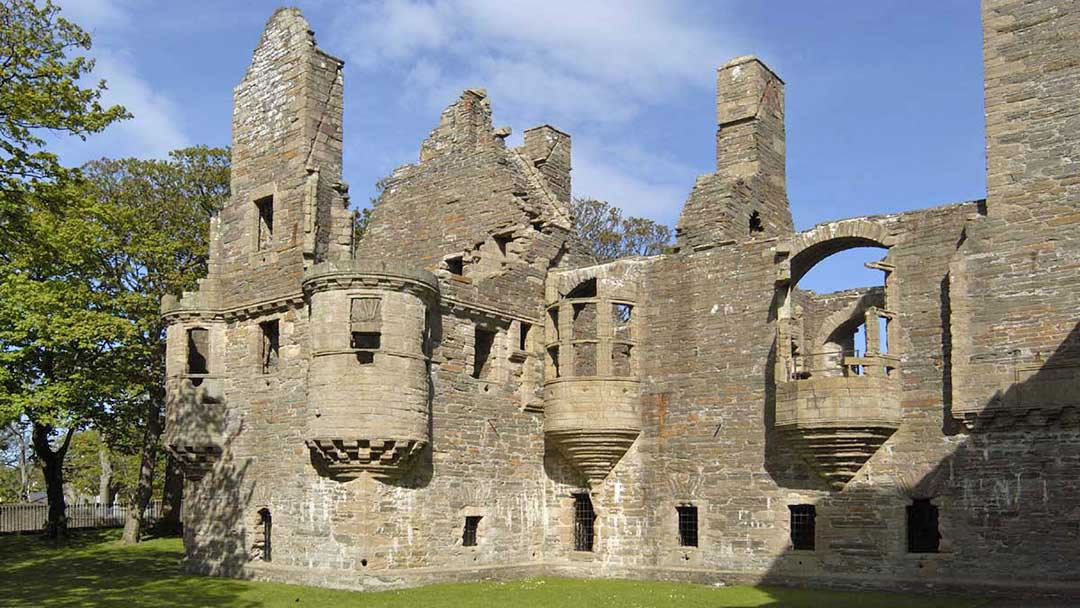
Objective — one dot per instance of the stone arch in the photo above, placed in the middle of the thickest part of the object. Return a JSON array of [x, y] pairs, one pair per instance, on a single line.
[[827, 349], [814, 245]]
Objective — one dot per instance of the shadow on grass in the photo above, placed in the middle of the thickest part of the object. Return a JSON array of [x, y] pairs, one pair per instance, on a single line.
[[92, 569]]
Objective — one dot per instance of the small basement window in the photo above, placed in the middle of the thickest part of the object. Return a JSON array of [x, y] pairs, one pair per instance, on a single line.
[[484, 341], [802, 527], [472, 524], [456, 265], [922, 527], [584, 520], [198, 350], [265, 207], [270, 346], [688, 525]]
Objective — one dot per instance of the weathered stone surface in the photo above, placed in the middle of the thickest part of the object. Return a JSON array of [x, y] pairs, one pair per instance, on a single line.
[[468, 363]]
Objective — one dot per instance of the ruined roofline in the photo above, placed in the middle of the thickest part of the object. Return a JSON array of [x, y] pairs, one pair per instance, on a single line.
[[743, 59], [978, 202], [549, 126], [295, 15]]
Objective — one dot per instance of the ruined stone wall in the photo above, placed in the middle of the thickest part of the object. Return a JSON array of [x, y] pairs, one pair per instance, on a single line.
[[973, 407]]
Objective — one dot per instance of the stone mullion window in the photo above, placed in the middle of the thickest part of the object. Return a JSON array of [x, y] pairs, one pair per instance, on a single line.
[[566, 337], [605, 329]]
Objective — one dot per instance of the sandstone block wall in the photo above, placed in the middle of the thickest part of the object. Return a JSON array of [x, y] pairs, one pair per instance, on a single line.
[[468, 362]]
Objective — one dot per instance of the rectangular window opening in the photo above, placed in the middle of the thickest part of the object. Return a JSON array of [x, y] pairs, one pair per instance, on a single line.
[[198, 350], [584, 520], [366, 340], [922, 527], [484, 341], [503, 241], [270, 345], [553, 315], [553, 360], [584, 321], [802, 527], [688, 525], [265, 207], [472, 523], [621, 359], [523, 336], [456, 265]]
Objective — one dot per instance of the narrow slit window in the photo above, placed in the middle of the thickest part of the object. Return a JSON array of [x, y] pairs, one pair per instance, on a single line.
[[456, 265], [265, 207], [270, 346], [802, 527], [523, 336], [553, 315], [922, 527], [198, 350], [484, 341], [688, 525], [584, 520], [266, 522], [472, 524]]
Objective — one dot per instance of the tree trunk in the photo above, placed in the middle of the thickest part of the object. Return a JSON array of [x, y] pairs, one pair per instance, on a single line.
[[105, 482], [24, 462], [52, 465], [135, 522], [172, 500]]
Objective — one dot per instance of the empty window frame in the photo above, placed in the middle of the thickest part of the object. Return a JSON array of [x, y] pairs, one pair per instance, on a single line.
[[553, 316], [755, 223], [265, 208], [366, 340], [922, 527], [688, 525], [553, 361], [584, 521], [456, 265], [802, 527], [503, 242], [523, 336], [266, 521], [198, 350], [620, 320], [472, 524], [484, 340], [584, 321], [270, 341]]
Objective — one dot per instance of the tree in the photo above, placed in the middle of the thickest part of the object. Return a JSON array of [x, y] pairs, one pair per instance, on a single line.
[[40, 70], [57, 336], [17, 477], [607, 235], [81, 341], [148, 223]]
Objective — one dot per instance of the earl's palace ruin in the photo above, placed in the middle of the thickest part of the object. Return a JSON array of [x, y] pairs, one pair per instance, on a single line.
[[465, 398]]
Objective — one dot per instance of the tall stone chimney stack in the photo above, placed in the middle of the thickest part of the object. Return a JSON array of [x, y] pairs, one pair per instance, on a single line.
[[746, 198]]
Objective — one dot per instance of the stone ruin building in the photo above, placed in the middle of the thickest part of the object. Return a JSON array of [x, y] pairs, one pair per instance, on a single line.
[[465, 397]]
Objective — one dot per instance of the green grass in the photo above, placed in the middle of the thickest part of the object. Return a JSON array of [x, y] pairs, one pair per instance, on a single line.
[[93, 570]]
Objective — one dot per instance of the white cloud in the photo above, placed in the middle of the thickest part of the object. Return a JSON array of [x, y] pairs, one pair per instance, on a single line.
[[591, 68], [582, 61], [155, 127]]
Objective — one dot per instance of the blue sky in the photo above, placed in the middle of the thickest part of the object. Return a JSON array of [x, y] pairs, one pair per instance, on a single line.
[[884, 98]]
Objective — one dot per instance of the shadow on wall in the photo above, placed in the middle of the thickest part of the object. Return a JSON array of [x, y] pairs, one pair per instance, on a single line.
[[1004, 499]]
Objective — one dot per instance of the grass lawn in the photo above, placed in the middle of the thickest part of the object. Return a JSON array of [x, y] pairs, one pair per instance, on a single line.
[[93, 570]]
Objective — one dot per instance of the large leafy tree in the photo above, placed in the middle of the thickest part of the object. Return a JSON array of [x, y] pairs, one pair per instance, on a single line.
[[148, 222], [40, 91], [81, 342], [608, 235]]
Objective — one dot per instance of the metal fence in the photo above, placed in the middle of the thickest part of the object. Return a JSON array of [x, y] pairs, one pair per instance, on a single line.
[[27, 517]]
